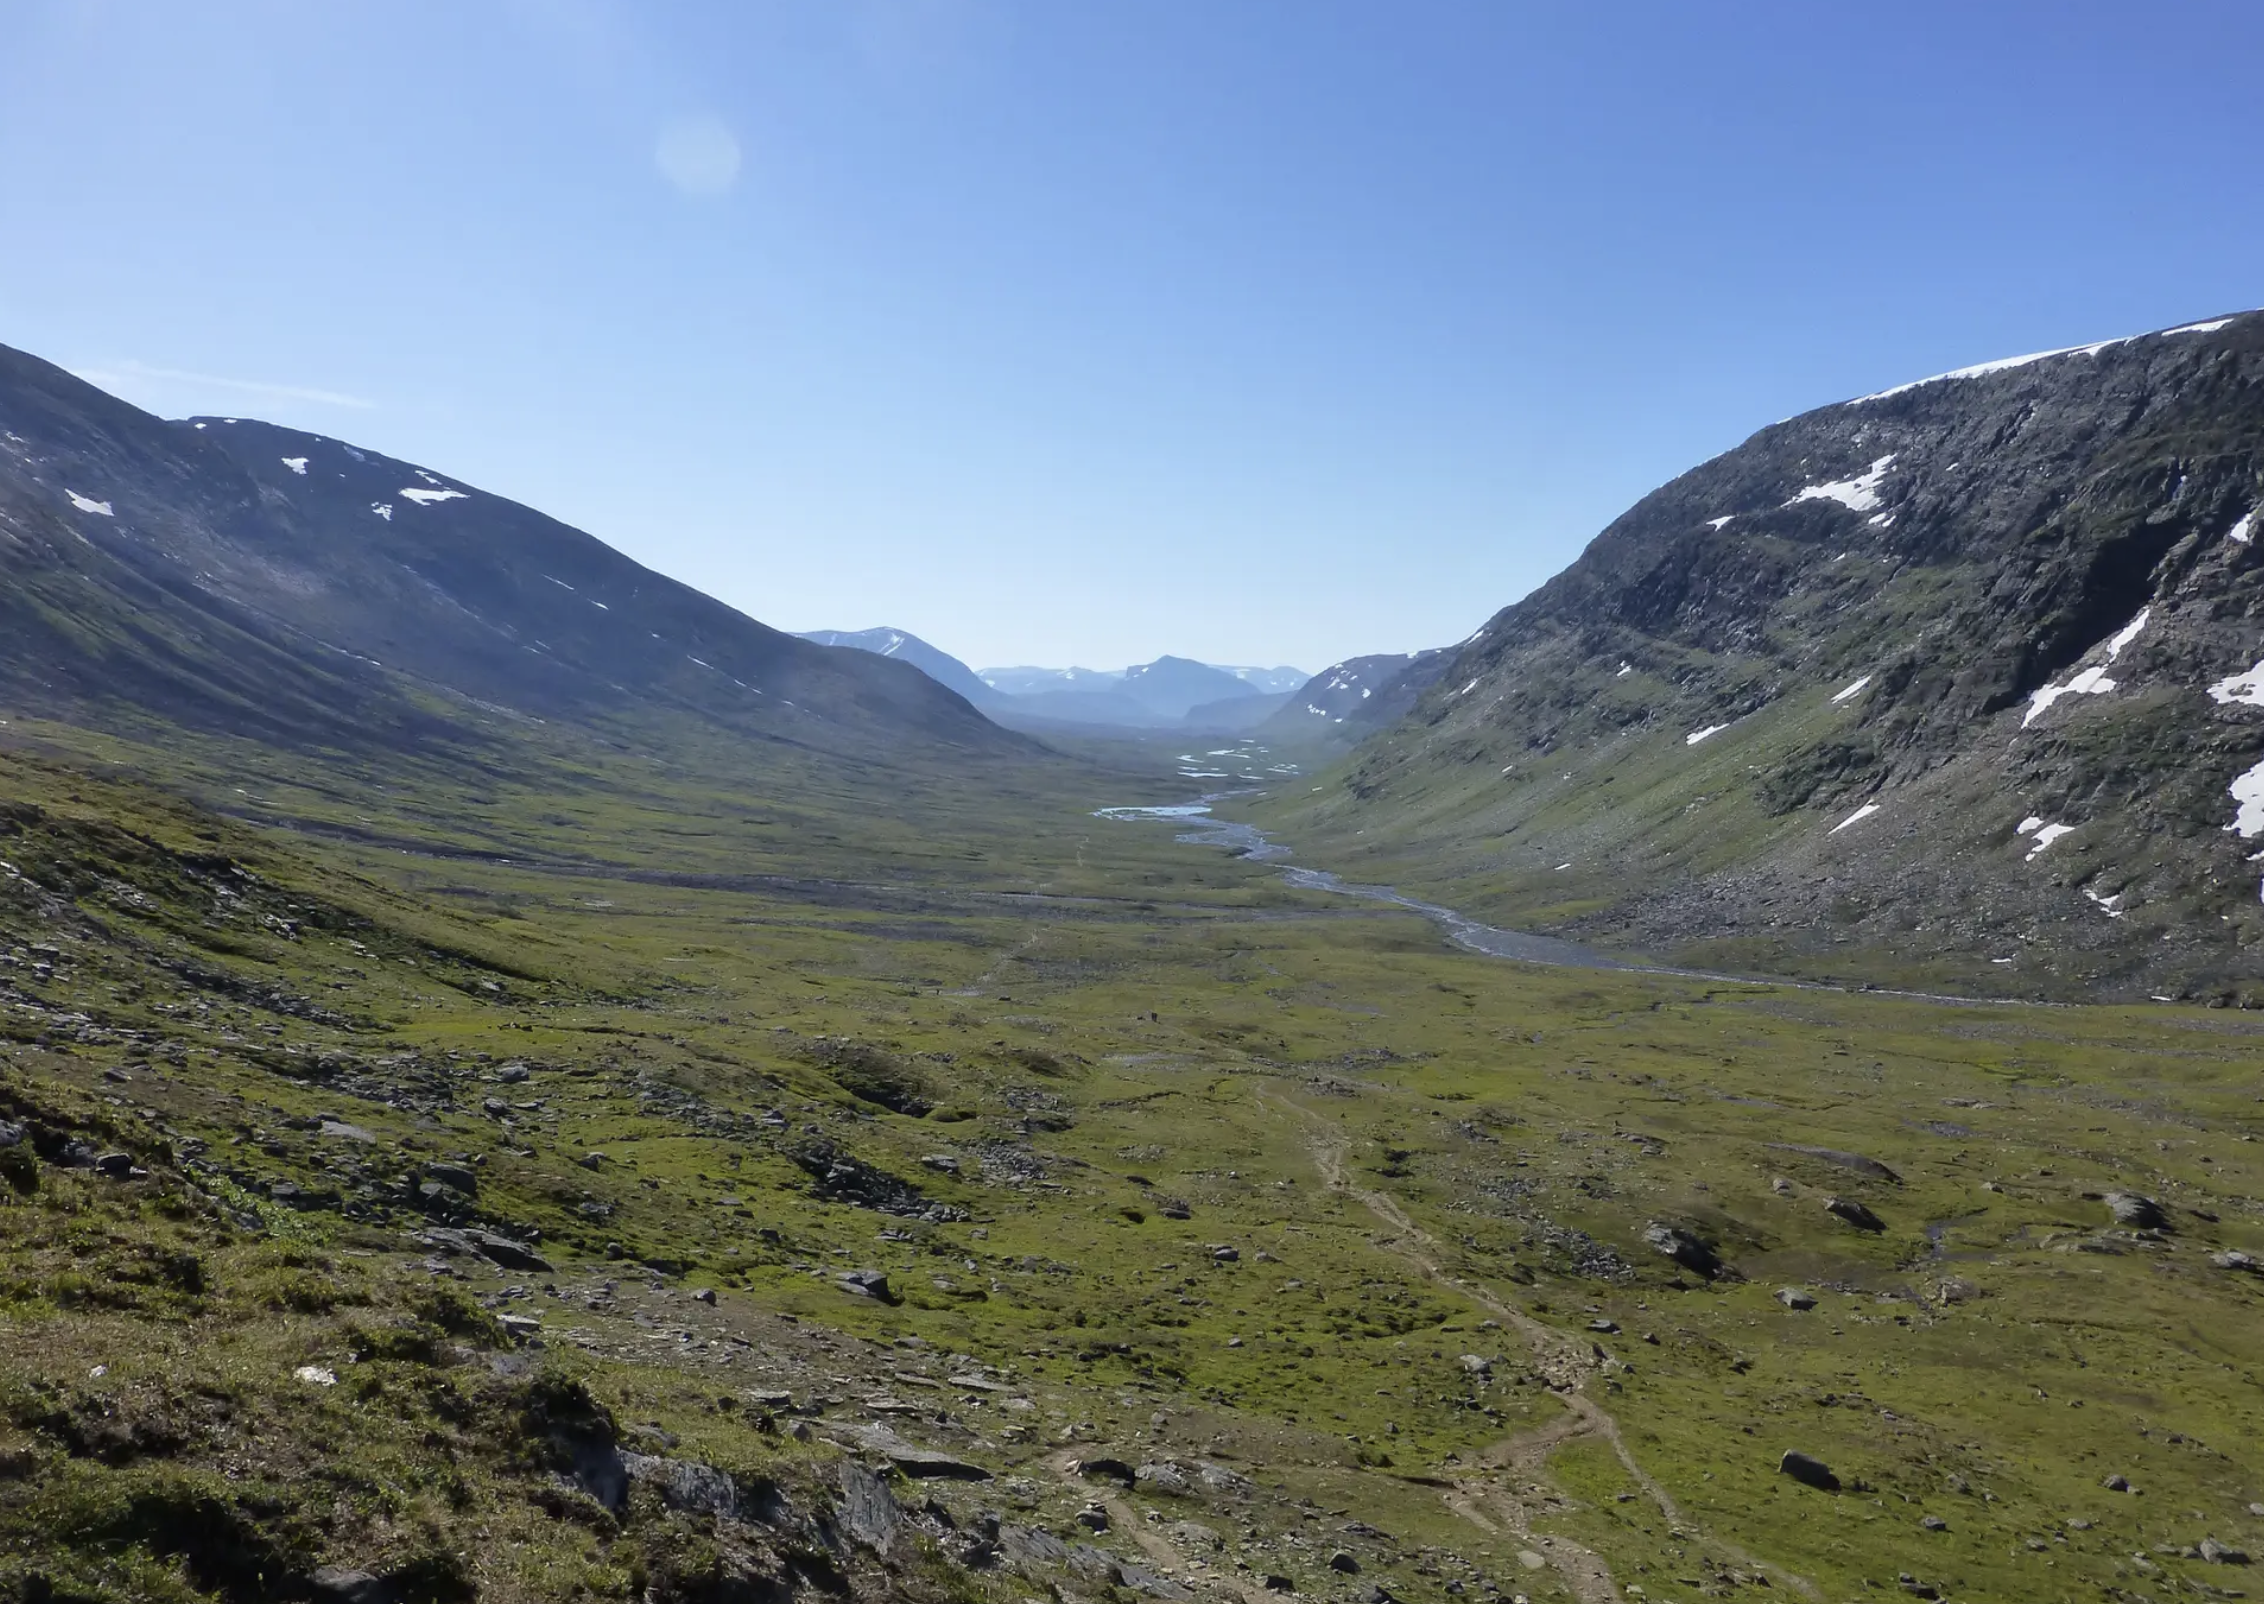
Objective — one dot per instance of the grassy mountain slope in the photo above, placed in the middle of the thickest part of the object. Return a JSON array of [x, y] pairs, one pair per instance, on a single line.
[[233, 577], [1972, 611]]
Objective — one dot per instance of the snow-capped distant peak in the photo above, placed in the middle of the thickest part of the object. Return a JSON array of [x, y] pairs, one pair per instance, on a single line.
[[2005, 363]]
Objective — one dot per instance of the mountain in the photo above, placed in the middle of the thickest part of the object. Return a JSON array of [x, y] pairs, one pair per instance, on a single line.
[[1361, 692], [933, 661], [1163, 694], [1275, 681], [1170, 686], [1965, 673], [231, 576], [1042, 681]]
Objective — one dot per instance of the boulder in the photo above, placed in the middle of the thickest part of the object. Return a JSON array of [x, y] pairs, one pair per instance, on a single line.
[[1846, 1161], [335, 1584], [869, 1511], [1343, 1563], [2137, 1212], [1796, 1298], [685, 1484], [1854, 1213], [1686, 1248], [866, 1284], [2217, 1553], [462, 1177], [1808, 1470], [2234, 1259], [1162, 1476]]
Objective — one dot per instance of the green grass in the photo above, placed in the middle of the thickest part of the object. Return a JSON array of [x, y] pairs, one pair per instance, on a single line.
[[724, 992]]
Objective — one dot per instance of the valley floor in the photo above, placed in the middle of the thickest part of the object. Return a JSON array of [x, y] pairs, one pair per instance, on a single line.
[[639, 1192]]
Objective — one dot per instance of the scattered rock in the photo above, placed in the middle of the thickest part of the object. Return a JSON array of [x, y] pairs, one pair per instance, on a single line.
[[1280, 1584], [1854, 1213], [1343, 1563], [1796, 1298], [117, 1166], [910, 1458], [2137, 1212], [705, 1295], [1604, 1327], [1223, 1253], [2217, 1553], [1115, 1470], [1934, 1523], [1530, 1560], [519, 1326], [2116, 1484], [1956, 1290], [316, 1375], [591, 1161], [1093, 1518], [462, 1177], [866, 1284], [1808, 1470], [1477, 1365], [2234, 1259], [1781, 1186]]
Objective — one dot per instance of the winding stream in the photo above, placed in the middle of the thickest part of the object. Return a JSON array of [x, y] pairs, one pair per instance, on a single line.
[[1248, 841]]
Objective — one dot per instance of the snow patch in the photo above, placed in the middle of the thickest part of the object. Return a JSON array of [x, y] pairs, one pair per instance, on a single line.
[[384, 509], [2093, 681], [2248, 687], [426, 497], [2004, 363], [1855, 689], [2242, 531], [1624, 670], [2106, 903], [2044, 834], [1717, 524], [89, 504], [1695, 736], [2248, 791], [1860, 494], [1857, 817], [297, 465], [1467, 689]]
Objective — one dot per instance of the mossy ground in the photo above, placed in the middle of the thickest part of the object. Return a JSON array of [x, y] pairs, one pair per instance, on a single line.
[[1090, 1058]]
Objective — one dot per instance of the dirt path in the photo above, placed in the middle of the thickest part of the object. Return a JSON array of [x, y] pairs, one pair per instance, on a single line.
[[1124, 1519], [1517, 1490]]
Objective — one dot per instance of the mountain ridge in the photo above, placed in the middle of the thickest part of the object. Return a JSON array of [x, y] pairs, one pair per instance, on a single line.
[[1956, 667]]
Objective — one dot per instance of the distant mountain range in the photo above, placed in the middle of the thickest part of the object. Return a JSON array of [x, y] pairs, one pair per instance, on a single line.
[[1169, 693]]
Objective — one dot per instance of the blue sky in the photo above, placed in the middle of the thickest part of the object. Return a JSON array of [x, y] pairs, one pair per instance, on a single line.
[[1078, 331]]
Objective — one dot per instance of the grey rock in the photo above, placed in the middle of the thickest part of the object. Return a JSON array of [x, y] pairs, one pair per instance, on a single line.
[[869, 1511], [115, 1165], [1796, 1298], [866, 1284], [1846, 1161], [2137, 1212], [2116, 1484], [1162, 1476], [1026, 1545], [685, 1484], [334, 1584], [504, 1251], [2217, 1553], [1144, 1581], [521, 1326], [1934, 1523], [1685, 1247], [462, 1177], [1809, 1471], [1854, 1213], [1093, 1518], [11, 1133], [2234, 1259], [1224, 1253], [1343, 1563]]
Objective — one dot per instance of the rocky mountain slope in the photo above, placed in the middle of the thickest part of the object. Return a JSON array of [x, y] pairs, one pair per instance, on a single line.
[[1361, 693], [1966, 673], [235, 577], [933, 661]]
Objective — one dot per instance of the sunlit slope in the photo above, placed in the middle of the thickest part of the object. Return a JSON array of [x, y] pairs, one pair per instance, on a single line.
[[1961, 677]]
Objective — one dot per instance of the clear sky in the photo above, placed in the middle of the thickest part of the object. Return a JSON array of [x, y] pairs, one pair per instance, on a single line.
[[1085, 330]]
